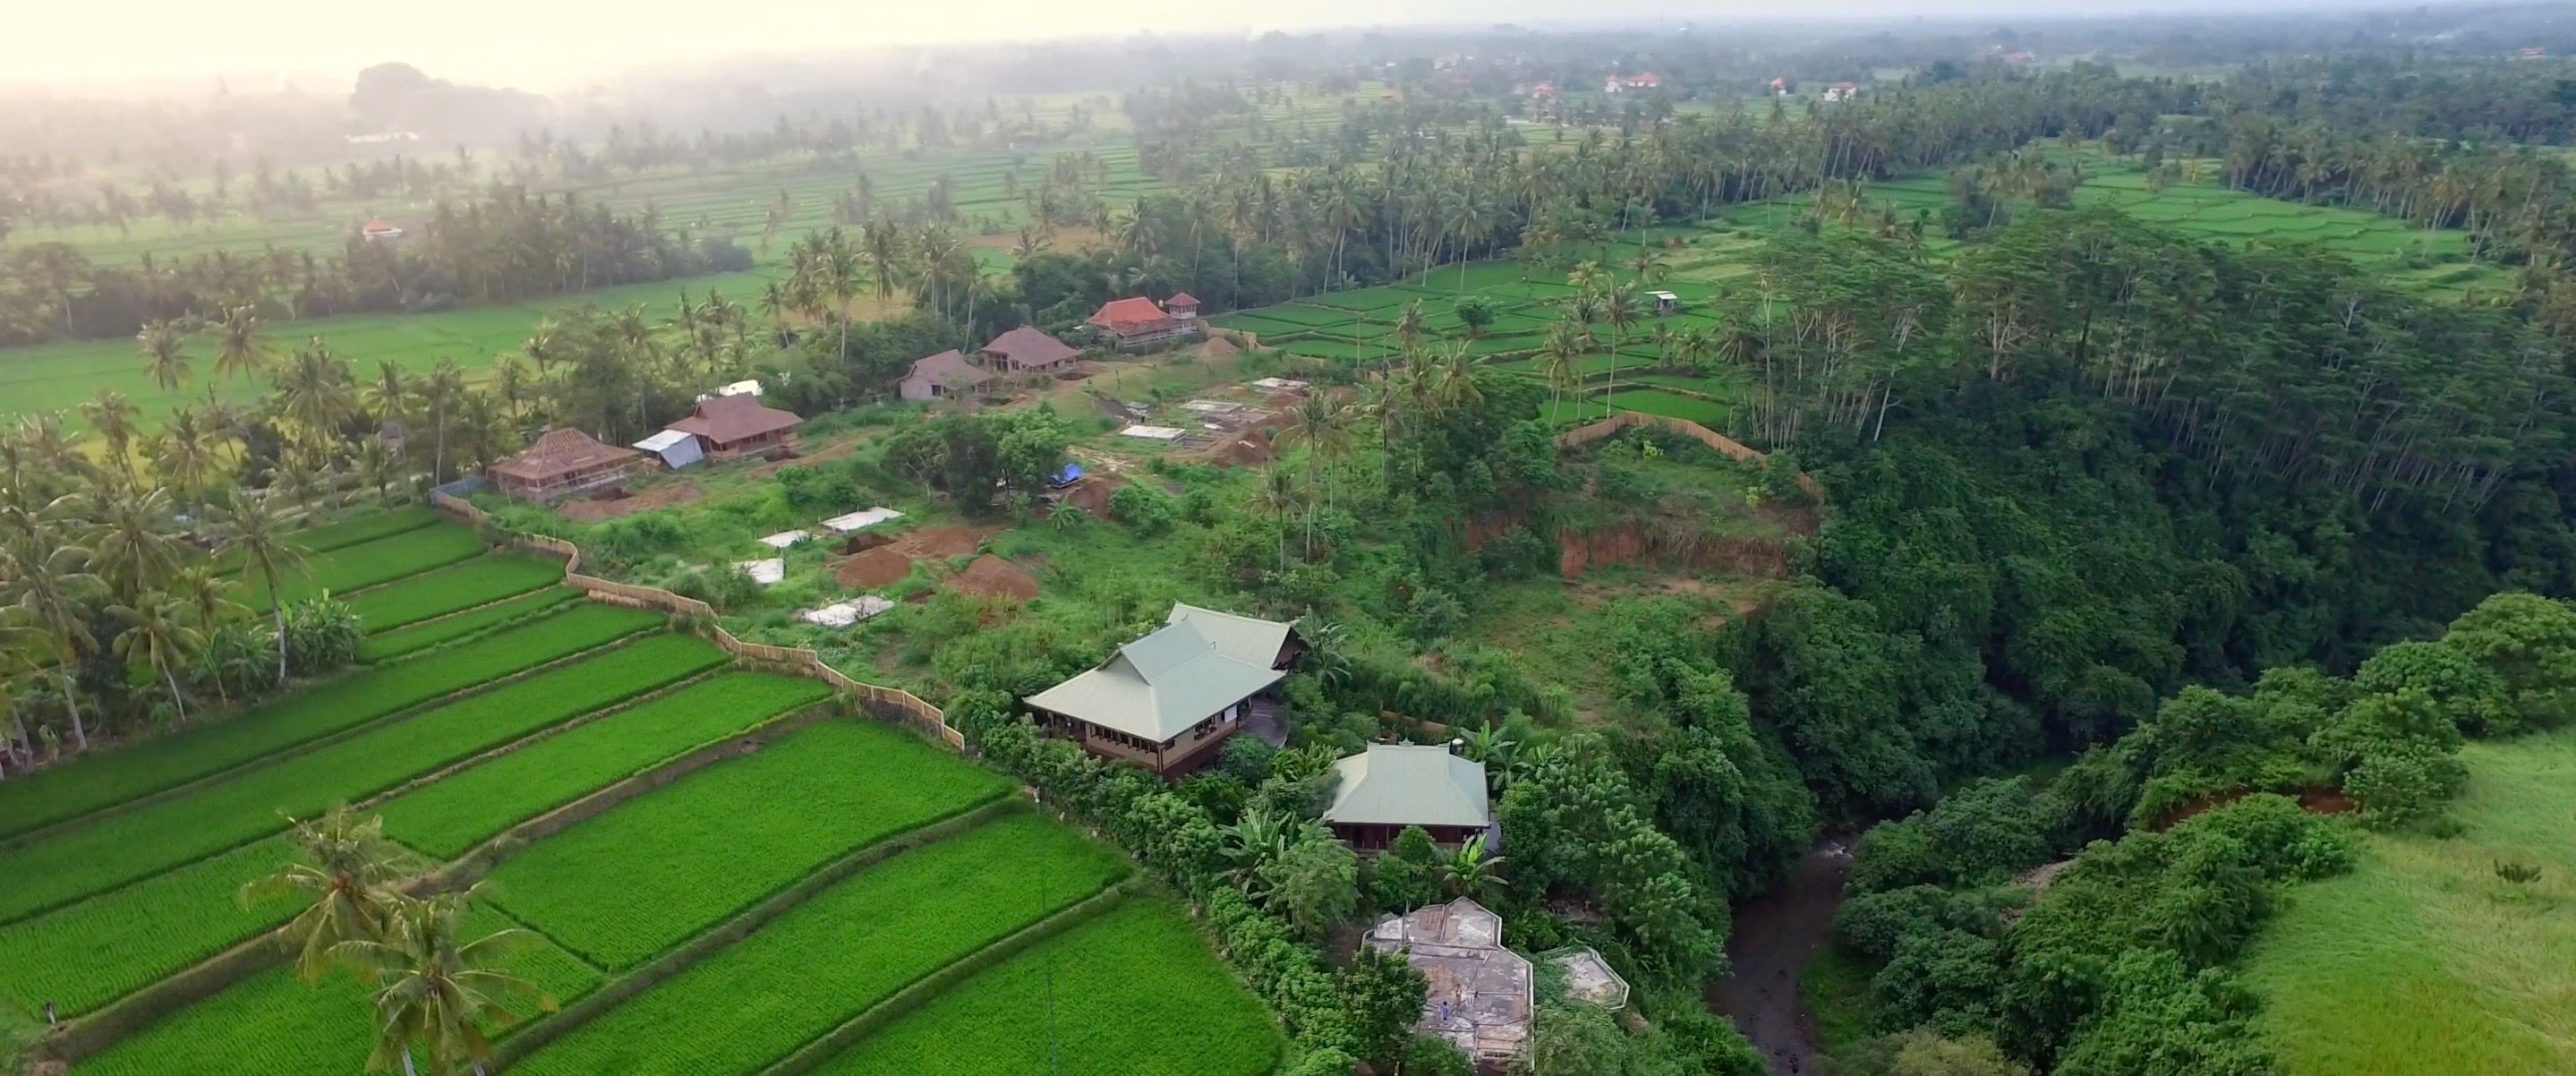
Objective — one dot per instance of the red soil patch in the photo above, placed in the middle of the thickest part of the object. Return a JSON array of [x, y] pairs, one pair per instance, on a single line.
[[866, 540], [883, 566], [1250, 450], [993, 577], [943, 541], [2316, 799], [1092, 495]]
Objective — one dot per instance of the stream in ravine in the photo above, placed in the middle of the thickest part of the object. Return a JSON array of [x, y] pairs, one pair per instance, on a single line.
[[1775, 935]]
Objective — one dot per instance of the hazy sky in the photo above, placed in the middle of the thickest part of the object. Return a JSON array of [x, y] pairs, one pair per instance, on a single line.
[[550, 44]]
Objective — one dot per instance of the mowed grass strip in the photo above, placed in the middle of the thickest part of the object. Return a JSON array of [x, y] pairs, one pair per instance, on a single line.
[[1132, 993], [367, 564], [639, 879], [385, 646], [480, 581], [99, 950], [66, 792], [849, 947], [272, 1025], [140, 843], [446, 818]]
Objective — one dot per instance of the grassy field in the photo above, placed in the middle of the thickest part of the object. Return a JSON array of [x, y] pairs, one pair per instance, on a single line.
[[2424, 962], [1129, 994], [65, 792], [637, 880]]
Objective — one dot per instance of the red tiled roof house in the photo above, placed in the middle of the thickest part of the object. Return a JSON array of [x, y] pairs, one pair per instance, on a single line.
[[562, 463], [1136, 321], [730, 426]]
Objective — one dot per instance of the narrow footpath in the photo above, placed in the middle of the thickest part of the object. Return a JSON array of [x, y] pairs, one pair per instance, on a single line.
[[1775, 935]]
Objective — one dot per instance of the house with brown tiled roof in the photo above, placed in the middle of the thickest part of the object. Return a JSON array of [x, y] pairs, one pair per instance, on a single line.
[[562, 463], [1136, 321], [1026, 350], [731, 426], [942, 376]]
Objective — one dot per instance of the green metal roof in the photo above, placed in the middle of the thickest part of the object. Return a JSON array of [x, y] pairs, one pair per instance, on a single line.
[[1250, 640], [1410, 785], [1157, 687]]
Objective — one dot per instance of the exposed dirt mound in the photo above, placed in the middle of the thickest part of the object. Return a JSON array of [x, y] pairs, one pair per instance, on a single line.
[[1629, 543], [993, 577], [2315, 799], [1250, 450], [883, 566], [1092, 495], [943, 541], [866, 540]]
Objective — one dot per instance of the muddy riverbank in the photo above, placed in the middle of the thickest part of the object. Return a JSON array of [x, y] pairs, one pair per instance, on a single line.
[[1774, 937]]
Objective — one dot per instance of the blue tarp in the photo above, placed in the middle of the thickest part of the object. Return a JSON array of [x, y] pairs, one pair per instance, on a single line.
[[1071, 474]]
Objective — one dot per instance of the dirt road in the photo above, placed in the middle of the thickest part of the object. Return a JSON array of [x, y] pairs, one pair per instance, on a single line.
[[1775, 935]]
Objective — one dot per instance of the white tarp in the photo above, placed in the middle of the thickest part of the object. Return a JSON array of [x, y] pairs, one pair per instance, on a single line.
[[674, 448], [1212, 407], [764, 572], [1153, 433], [860, 520], [783, 539], [844, 614], [1277, 383]]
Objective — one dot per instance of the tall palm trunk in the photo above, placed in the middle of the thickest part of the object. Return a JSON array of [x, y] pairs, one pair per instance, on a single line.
[[71, 702], [276, 614], [175, 699]]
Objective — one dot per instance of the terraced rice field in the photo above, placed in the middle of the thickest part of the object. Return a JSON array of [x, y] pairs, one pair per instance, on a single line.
[[480, 581], [628, 884], [1128, 994], [62, 793], [385, 646], [731, 851], [886, 927]]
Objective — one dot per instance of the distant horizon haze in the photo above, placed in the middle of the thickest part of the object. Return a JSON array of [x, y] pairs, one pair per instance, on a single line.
[[551, 47]]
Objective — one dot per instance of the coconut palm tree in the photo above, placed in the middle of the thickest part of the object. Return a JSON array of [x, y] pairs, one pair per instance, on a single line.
[[112, 416], [50, 587], [165, 355], [1469, 872], [131, 535], [435, 991], [440, 395], [238, 351], [158, 635], [341, 878], [186, 453], [1561, 361], [1323, 426], [1618, 310], [255, 531]]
